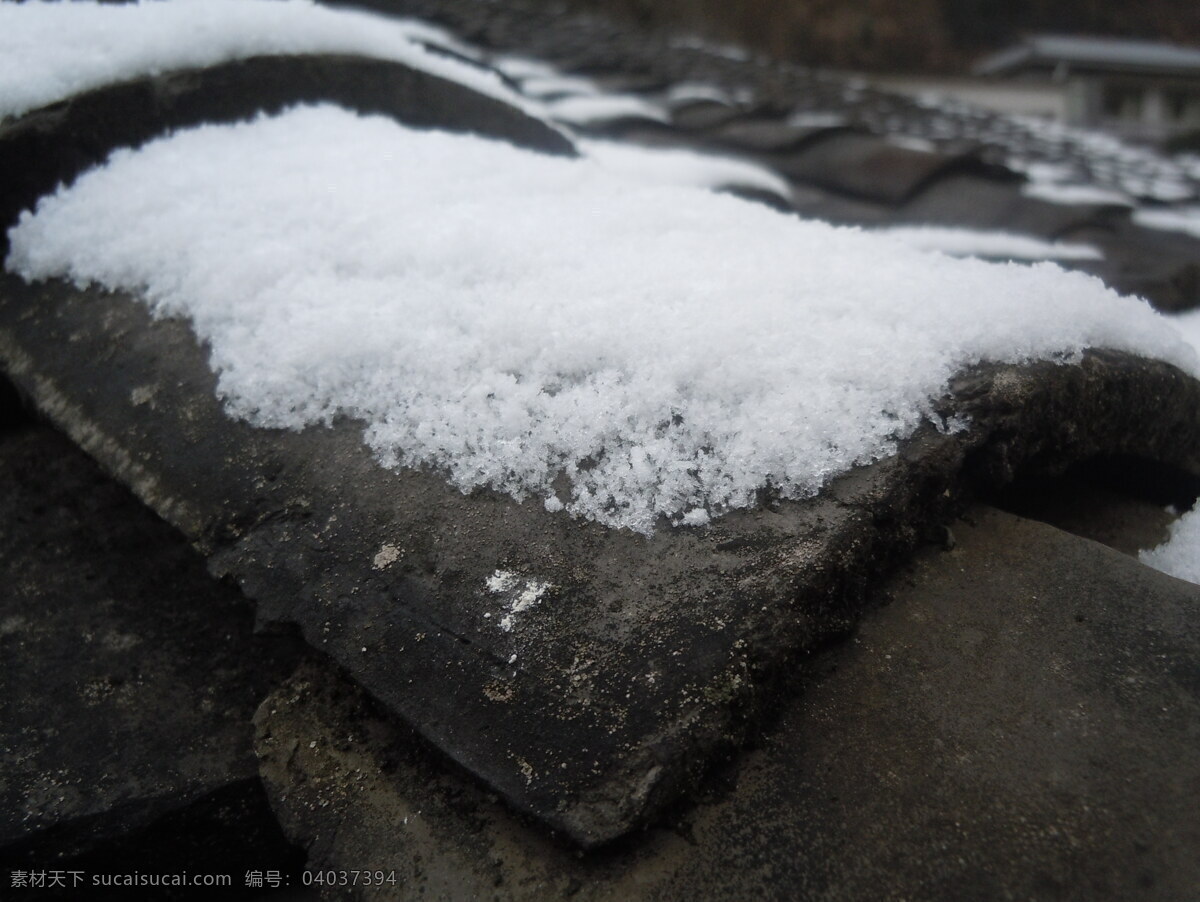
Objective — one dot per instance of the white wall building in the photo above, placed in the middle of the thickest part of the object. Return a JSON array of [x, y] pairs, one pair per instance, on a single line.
[[1142, 90]]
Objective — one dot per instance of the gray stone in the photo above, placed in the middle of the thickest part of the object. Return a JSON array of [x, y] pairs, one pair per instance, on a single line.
[[966, 200], [703, 115], [1021, 721], [1121, 504], [869, 166], [129, 677], [775, 136]]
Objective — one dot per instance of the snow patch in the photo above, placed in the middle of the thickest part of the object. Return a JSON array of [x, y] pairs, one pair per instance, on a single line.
[[592, 109], [557, 85], [1184, 219], [995, 245], [545, 326], [908, 142], [1188, 325], [691, 91], [387, 555], [1179, 556], [659, 166], [817, 119], [521, 593], [52, 50], [1075, 194], [725, 51], [501, 581], [520, 68]]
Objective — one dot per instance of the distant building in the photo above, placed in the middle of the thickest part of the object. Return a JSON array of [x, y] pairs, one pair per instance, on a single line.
[[1140, 89]]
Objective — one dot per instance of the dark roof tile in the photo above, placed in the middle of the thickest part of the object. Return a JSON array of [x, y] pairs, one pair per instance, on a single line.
[[772, 136], [703, 115], [868, 166], [969, 200]]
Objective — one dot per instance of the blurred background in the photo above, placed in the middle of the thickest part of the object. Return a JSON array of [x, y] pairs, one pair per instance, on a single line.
[[1131, 69]]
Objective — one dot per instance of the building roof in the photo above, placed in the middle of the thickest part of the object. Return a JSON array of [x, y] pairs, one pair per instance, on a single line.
[[648, 657], [1101, 54]]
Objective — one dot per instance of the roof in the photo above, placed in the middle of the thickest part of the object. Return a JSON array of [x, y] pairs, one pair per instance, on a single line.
[[844, 153], [1101, 54], [630, 663], [953, 749], [845, 147]]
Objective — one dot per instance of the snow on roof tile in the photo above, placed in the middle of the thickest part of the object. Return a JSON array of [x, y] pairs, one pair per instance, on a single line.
[[503, 316], [529, 314]]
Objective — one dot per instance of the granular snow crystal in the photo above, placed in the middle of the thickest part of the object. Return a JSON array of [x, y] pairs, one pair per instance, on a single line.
[[547, 326]]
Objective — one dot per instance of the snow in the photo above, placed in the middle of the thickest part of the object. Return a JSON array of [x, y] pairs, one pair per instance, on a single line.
[[386, 556], [1075, 194], [725, 51], [1179, 556], [921, 145], [1050, 153], [585, 109], [817, 119], [996, 245], [1095, 158], [521, 594], [520, 68], [555, 85], [52, 50], [545, 326], [691, 91], [1181, 219], [1188, 325], [682, 167]]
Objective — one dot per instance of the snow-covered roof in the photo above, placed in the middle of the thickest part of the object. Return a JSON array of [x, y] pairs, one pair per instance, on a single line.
[[1094, 53], [51, 50], [507, 453], [418, 311], [666, 351]]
